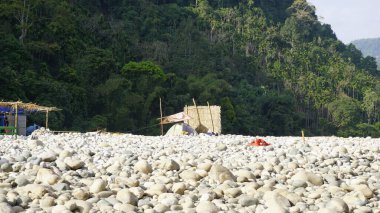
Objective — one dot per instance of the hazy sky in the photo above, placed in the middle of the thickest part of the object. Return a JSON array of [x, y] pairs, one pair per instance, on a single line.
[[350, 19]]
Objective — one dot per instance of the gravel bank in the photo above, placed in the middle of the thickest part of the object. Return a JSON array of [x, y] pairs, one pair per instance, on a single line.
[[94, 172]]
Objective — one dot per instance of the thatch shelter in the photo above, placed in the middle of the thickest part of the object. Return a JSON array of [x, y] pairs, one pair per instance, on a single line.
[[14, 108], [208, 115]]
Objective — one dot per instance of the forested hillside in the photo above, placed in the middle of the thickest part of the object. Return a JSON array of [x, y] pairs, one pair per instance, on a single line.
[[369, 47], [271, 65]]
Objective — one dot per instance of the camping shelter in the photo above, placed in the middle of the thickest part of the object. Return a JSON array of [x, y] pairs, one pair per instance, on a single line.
[[181, 129], [15, 113]]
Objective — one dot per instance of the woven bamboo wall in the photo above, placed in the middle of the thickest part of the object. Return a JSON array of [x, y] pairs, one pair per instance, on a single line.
[[204, 114]]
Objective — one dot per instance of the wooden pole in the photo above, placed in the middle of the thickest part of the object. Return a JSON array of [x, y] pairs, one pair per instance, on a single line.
[[196, 108], [303, 136], [162, 126], [16, 119], [212, 120], [47, 119], [187, 113]]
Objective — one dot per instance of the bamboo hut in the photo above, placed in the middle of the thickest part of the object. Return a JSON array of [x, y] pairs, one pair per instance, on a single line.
[[17, 121], [209, 117]]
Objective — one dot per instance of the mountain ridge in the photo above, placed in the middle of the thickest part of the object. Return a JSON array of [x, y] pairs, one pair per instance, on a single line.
[[369, 47]]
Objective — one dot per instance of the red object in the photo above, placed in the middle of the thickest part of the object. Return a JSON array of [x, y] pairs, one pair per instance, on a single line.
[[258, 142]]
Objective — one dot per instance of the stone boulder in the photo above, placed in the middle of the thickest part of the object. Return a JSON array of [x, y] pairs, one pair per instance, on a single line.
[[219, 174]]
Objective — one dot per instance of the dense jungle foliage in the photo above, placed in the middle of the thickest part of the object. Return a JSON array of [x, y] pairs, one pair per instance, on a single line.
[[271, 65]]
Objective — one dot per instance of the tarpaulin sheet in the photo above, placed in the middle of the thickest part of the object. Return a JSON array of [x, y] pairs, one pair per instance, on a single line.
[[10, 110], [175, 118]]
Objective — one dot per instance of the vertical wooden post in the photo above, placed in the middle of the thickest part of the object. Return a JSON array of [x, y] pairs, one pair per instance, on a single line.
[[186, 110], [196, 108], [212, 120], [16, 119], [162, 126], [303, 136], [47, 120]]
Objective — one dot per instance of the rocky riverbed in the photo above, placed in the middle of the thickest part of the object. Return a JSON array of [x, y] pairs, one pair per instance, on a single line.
[[94, 172]]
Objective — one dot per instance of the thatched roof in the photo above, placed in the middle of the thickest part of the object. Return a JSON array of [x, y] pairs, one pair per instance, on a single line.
[[27, 106], [210, 117]]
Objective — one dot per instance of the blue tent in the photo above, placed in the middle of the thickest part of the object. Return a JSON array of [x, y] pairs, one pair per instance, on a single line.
[[31, 129], [11, 110], [2, 120]]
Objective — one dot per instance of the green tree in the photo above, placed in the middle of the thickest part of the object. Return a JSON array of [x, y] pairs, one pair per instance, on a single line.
[[371, 103], [345, 111]]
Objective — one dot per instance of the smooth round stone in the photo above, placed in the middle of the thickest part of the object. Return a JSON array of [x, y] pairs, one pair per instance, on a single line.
[[258, 166], [294, 209], [206, 206], [220, 174], [33, 144], [98, 185], [245, 201], [6, 167], [18, 209], [144, 202], [105, 194], [299, 183], [302, 206], [221, 147], [293, 151], [156, 189], [143, 167], [83, 206], [126, 197], [74, 163], [60, 209], [22, 180], [241, 179], [93, 200], [363, 209], [275, 201], [176, 208], [342, 150], [243, 173], [105, 208], [137, 191], [65, 153], [169, 165], [338, 205], [112, 200], [205, 166], [292, 165], [48, 156], [47, 202], [20, 158], [179, 188], [189, 175], [160, 208], [168, 199], [149, 211], [314, 195], [232, 192], [125, 207], [81, 194]]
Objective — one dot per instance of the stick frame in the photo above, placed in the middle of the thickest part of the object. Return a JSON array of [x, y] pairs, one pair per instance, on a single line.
[[162, 126], [212, 120]]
